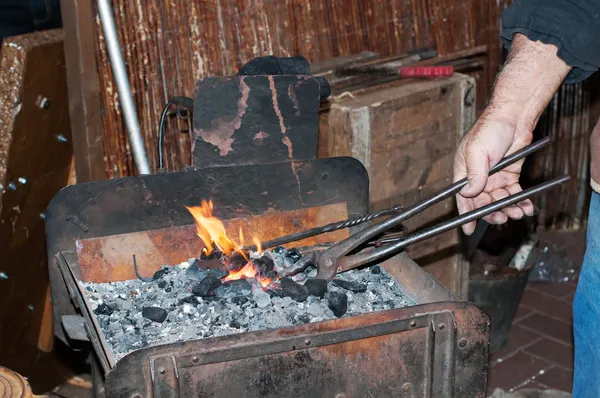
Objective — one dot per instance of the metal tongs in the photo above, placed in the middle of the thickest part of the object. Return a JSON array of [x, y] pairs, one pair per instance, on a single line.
[[335, 259]]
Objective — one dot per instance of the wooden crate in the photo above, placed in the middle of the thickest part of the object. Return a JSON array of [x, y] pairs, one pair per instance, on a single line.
[[406, 133]]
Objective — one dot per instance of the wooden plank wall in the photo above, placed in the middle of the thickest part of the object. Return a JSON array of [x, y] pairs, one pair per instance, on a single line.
[[168, 45]]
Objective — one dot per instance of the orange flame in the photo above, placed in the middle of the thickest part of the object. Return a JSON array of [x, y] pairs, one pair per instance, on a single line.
[[212, 232]]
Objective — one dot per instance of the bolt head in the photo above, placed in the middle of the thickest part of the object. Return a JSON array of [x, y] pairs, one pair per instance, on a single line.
[[43, 102]]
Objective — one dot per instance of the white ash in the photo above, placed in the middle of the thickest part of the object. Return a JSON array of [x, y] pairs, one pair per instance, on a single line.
[[119, 305]]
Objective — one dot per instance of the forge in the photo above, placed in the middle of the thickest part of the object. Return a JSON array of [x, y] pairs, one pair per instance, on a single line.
[[157, 287]]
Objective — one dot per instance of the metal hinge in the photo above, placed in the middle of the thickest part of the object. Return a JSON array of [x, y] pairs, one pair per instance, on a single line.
[[165, 377]]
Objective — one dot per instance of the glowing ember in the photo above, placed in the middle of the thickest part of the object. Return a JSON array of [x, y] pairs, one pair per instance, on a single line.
[[212, 232], [248, 271]]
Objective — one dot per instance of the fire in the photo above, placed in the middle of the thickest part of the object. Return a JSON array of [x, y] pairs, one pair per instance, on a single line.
[[248, 271], [212, 232]]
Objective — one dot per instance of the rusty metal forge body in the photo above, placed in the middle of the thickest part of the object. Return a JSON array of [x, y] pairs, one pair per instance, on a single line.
[[438, 348]]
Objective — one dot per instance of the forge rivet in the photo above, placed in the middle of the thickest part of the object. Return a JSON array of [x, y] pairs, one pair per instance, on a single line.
[[31, 308], [12, 186], [307, 342], [462, 343], [43, 102], [413, 324], [195, 359], [3, 275], [407, 386], [441, 326], [43, 216], [22, 180], [163, 371]]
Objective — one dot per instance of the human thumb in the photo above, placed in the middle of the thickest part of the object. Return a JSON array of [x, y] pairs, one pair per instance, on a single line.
[[477, 173]]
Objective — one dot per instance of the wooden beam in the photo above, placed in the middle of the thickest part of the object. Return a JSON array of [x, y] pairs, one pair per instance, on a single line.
[[84, 89]]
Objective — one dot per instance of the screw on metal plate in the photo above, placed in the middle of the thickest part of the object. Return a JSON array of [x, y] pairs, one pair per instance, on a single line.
[[12, 186], [413, 324], [3, 275], [407, 386], [22, 180], [43, 102], [462, 343], [61, 138]]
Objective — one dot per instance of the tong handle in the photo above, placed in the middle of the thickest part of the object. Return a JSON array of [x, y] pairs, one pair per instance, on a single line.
[[349, 262], [330, 256]]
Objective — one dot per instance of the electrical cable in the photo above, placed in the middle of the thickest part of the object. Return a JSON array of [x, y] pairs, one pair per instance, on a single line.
[[186, 103]]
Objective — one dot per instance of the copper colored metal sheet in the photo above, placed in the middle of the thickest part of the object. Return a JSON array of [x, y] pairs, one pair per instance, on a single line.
[[109, 258]]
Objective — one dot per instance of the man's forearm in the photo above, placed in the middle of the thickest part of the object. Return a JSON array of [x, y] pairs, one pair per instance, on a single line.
[[529, 79]]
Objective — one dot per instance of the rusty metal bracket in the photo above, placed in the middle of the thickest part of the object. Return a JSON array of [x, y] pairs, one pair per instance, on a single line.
[[165, 377]]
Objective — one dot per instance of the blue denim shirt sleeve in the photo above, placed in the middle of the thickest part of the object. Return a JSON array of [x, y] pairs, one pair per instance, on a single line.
[[571, 25]]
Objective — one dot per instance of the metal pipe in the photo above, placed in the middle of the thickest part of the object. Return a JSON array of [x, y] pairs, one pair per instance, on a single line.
[[120, 72], [344, 247], [324, 229], [346, 263]]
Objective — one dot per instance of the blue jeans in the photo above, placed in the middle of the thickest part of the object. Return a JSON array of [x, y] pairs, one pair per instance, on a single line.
[[586, 312]]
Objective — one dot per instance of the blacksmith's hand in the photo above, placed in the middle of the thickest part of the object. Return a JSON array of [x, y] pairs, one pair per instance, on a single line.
[[529, 79]]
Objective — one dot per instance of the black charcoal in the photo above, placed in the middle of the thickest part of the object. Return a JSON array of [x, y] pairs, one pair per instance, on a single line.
[[264, 265], [239, 287], [155, 314], [103, 309], [279, 250], [376, 270], [275, 293], [160, 273], [188, 300], [337, 303], [237, 261], [293, 290], [293, 255], [239, 300], [162, 284], [350, 285], [316, 287], [215, 254], [206, 286]]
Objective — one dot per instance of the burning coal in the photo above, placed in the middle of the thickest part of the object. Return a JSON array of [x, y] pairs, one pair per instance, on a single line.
[[218, 245]]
